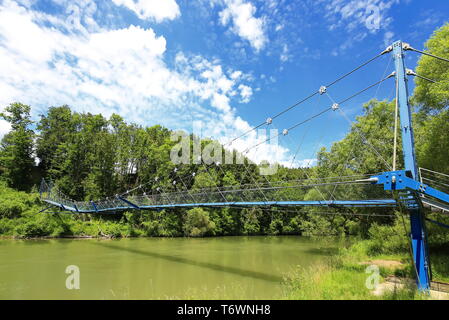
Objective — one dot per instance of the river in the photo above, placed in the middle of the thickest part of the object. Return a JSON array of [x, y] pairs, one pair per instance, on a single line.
[[155, 268]]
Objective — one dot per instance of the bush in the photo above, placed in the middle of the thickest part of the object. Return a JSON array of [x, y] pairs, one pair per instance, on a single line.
[[6, 226], [14, 203], [388, 239], [276, 226], [197, 223], [42, 225], [152, 228]]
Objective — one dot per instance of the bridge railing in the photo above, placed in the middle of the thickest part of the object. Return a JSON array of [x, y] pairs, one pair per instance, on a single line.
[[342, 188], [434, 179]]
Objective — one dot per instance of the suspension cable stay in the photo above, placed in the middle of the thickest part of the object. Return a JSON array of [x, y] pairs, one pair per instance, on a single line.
[[313, 94], [334, 107], [406, 46]]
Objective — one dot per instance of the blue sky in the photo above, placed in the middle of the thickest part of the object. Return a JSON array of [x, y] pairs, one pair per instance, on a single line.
[[226, 65]]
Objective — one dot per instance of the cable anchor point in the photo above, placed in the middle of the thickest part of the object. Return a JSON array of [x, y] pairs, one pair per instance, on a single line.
[[391, 75], [410, 72], [322, 90], [406, 46], [387, 50]]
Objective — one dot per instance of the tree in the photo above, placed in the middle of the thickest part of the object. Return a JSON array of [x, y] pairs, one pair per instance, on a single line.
[[432, 129], [434, 97], [54, 129], [374, 131], [16, 149], [432, 141], [198, 223]]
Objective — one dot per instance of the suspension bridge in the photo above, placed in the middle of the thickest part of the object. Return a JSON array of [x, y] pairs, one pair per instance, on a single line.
[[410, 189]]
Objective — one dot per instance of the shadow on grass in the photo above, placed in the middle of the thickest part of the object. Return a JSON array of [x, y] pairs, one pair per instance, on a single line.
[[211, 266]]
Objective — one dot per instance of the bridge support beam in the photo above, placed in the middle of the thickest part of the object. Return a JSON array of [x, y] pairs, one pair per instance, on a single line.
[[135, 206], [418, 231], [94, 206]]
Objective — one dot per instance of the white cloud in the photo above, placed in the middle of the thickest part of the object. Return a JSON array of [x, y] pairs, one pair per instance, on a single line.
[[4, 128], [236, 74], [48, 60], [306, 163], [270, 151], [284, 55], [240, 15], [351, 14], [159, 10], [388, 38], [279, 27], [246, 93]]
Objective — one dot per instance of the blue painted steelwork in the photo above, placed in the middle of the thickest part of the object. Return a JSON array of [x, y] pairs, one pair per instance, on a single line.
[[399, 180], [47, 208], [418, 231], [390, 203], [133, 205], [94, 206], [59, 205]]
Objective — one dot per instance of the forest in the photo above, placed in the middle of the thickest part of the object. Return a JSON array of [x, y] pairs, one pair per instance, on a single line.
[[90, 157]]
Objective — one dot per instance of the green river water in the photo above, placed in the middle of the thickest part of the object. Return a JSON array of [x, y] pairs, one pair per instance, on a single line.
[[156, 268]]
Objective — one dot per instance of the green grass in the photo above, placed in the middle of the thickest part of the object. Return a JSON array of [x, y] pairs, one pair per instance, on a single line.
[[343, 277]]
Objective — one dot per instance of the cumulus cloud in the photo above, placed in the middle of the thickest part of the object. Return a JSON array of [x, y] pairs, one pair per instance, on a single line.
[[159, 10], [49, 60], [246, 93], [241, 16]]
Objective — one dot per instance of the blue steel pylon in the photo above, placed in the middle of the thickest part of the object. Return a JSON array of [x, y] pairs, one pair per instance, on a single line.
[[418, 231]]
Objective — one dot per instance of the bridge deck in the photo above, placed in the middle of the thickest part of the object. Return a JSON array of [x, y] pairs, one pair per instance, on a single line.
[[330, 203]]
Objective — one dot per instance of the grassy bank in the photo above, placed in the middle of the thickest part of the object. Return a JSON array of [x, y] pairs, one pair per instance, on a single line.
[[345, 275]]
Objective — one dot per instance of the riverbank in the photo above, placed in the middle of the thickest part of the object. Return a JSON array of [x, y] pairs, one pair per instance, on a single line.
[[350, 275]]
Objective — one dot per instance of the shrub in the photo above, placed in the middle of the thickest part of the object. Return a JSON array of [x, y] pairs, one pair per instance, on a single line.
[[197, 223], [388, 239]]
